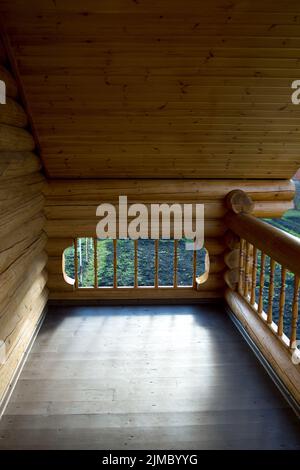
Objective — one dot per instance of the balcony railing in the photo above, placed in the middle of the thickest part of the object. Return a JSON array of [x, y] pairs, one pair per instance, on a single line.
[[263, 262], [266, 254]]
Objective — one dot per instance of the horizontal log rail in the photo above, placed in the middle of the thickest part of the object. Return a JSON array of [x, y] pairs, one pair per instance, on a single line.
[[260, 260]]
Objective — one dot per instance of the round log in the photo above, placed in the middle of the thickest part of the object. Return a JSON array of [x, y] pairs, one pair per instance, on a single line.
[[87, 228], [36, 268], [12, 320], [17, 242], [15, 139], [232, 240], [232, 258], [16, 164], [231, 277], [151, 190], [12, 277], [11, 189], [271, 209], [14, 219], [239, 202], [13, 114]]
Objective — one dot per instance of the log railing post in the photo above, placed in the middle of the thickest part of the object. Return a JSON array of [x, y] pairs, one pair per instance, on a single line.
[[281, 301], [254, 273], [241, 283], [238, 256], [271, 292], [261, 283]]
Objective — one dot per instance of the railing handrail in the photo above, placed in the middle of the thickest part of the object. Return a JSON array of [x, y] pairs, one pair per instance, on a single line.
[[279, 245]]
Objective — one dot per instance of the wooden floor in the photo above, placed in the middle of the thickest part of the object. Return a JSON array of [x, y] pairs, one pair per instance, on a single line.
[[151, 377]]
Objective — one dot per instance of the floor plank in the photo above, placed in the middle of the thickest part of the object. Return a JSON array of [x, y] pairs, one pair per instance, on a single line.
[[145, 377]]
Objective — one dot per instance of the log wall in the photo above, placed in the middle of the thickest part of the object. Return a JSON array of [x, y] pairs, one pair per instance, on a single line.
[[71, 212], [23, 277]]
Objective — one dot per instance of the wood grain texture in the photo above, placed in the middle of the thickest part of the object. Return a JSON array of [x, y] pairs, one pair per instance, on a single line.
[[70, 210], [279, 245], [67, 191], [160, 89], [93, 380], [15, 139], [277, 355], [13, 114], [17, 243], [14, 217], [23, 294], [15, 164]]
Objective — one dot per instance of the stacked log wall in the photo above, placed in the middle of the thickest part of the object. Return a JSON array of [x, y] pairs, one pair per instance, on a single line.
[[71, 212], [23, 275]]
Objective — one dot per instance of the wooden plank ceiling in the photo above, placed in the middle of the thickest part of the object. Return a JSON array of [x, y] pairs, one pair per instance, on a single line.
[[160, 88]]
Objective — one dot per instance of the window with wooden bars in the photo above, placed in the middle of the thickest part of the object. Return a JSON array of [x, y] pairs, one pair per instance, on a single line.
[[108, 263]]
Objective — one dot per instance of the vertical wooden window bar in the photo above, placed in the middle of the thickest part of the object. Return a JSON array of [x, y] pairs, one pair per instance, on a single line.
[[156, 285]]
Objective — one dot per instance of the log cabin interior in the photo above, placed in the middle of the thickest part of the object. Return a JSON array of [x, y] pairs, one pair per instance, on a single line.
[[163, 101]]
